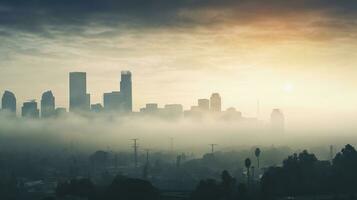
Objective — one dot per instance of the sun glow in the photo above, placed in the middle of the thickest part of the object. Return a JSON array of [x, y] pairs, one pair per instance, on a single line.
[[288, 88]]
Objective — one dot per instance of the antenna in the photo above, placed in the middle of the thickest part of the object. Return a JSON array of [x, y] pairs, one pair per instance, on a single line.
[[135, 146], [212, 147]]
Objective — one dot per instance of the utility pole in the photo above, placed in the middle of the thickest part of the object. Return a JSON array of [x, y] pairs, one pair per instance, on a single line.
[[171, 144], [212, 147], [147, 155], [135, 146], [331, 153]]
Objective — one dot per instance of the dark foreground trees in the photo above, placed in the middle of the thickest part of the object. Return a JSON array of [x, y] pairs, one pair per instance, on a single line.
[[122, 188], [303, 174], [226, 189]]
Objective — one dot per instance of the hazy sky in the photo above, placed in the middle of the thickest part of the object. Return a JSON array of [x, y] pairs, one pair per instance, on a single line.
[[299, 55]]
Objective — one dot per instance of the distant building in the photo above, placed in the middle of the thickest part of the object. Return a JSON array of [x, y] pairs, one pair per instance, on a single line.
[[30, 110], [47, 105], [216, 104], [173, 110], [8, 102], [126, 92], [112, 101], [231, 114], [121, 102], [87, 102], [150, 108], [96, 108], [203, 104], [60, 112], [277, 120], [79, 100]]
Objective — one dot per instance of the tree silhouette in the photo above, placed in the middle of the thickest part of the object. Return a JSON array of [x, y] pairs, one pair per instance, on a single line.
[[124, 188], [344, 166], [248, 163], [257, 154], [207, 190]]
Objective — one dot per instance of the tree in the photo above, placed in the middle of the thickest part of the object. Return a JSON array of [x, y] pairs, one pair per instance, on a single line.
[[131, 189], [228, 183], [207, 190], [76, 187], [248, 163], [257, 154]]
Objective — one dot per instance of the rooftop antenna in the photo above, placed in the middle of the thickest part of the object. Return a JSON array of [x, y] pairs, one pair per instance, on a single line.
[[135, 146], [212, 147]]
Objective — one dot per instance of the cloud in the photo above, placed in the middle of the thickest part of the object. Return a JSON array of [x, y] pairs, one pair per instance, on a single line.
[[40, 16]]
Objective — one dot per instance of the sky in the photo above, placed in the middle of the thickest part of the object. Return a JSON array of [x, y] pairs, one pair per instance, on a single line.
[[297, 55]]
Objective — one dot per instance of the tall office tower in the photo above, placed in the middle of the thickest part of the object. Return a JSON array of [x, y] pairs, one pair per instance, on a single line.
[[112, 101], [8, 102], [203, 104], [126, 92], [78, 97], [96, 108], [30, 110], [47, 105], [87, 102], [60, 112], [216, 104], [277, 121]]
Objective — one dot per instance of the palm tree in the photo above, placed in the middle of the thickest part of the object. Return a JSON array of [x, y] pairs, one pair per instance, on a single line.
[[257, 154], [247, 165]]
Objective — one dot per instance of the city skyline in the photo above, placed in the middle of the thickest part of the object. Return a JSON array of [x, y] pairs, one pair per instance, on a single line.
[[119, 103], [300, 60]]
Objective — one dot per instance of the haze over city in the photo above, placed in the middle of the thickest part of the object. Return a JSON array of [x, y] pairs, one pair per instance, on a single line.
[[178, 99], [298, 60]]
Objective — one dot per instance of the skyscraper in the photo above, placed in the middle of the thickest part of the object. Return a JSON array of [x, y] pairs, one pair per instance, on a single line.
[[277, 121], [126, 92], [79, 100], [216, 105], [96, 108], [30, 110], [203, 104], [47, 104], [8, 102], [112, 101]]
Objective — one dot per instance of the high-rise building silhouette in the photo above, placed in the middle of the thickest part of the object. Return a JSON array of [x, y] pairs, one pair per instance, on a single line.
[[79, 100], [96, 108], [277, 120], [216, 104], [126, 92], [203, 104], [112, 101], [60, 112], [30, 110], [8, 102], [47, 104]]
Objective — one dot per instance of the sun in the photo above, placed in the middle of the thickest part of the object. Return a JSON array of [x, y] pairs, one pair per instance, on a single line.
[[288, 88]]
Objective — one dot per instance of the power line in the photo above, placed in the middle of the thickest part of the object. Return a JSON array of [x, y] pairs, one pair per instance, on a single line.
[[212, 147], [136, 147]]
